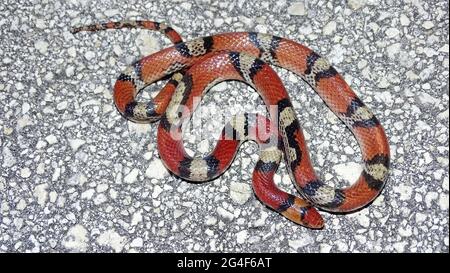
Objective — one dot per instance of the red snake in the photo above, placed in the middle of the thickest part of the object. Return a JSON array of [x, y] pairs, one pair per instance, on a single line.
[[197, 65]]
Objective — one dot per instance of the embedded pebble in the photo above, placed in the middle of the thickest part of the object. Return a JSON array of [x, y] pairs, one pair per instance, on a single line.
[[51, 139], [21, 205], [137, 242], [8, 158], [76, 176], [41, 46], [75, 144], [70, 71], [301, 243], [404, 191], [363, 218], [225, 214], [240, 192], [89, 55], [349, 171], [329, 28], [392, 32], [25, 172], [76, 239], [112, 239], [41, 194], [428, 25], [131, 177], [356, 4], [241, 236], [100, 199], [297, 8], [156, 170], [404, 20], [218, 22], [137, 218]]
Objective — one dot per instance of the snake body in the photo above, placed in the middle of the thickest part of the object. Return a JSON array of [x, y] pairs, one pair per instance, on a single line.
[[197, 65]]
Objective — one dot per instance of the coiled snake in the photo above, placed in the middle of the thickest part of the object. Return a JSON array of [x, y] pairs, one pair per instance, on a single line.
[[197, 65]]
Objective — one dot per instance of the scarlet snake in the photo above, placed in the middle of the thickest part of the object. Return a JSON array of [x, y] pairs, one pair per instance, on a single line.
[[197, 65]]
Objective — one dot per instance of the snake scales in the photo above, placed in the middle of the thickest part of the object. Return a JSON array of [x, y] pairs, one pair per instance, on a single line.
[[197, 65]]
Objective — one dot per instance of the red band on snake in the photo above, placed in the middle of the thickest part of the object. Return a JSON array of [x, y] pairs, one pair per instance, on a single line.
[[197, 65]]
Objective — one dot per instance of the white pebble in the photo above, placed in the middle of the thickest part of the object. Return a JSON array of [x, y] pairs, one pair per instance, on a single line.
[[8, 158], [111, 12], [297, 8], [72, 52], [349, 150], [87, 194], [362, 218], [404, 20], [400, 246], [420, 217], [428, 25], [137, 218], [444, 49], [177, 213], [156, 169], [77, 179], [443, 201], [41, 46], [399, 125], [70, 71], [40, 23], [300, 243], [342, 246], [349, 171], [404, 191], [76, 238], [426, 98], [25, 108], [89, 55], [52, 196], [62, 105], [25, 172], [393, 50], [157, 190], [21, 205], [329, 28], [51, 139], [427, 157], [392, 32], [356, 4], [112, 239], [325, 248], [102, 187], [225, 214], [19, 85], [137, 242], [218, 22], [240, 192], [430, 197], [445, 184], [75, 144], [405, 231], [210, 220], [186, 5], [383, 83], [40, 192], [100, 199]]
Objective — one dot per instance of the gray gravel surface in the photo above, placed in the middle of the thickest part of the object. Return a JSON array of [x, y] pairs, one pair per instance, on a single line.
[[76, 176]]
